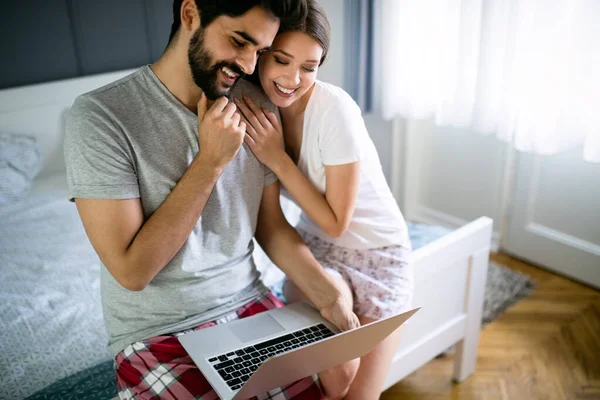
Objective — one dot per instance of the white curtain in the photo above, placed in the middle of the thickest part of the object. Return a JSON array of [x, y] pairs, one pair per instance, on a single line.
[[527, 71]]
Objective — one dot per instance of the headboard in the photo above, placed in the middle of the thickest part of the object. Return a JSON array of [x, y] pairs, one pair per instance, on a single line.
[[40, 111]]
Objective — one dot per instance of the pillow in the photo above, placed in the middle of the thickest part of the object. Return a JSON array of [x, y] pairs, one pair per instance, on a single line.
[[20, 161]]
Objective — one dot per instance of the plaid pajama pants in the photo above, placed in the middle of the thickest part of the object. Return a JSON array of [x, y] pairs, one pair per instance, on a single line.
[[160, 368]]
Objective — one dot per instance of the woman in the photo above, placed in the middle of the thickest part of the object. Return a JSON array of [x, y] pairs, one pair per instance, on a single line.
[[330, 168]]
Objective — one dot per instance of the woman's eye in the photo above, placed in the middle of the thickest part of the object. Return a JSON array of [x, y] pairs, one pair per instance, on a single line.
[[310, 69], [278, 61]]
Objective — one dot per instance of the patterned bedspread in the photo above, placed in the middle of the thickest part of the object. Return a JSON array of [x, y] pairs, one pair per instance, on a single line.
[[49, 293]]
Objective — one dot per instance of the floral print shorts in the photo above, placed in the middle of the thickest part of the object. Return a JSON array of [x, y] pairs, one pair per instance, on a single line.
[[381, 279]]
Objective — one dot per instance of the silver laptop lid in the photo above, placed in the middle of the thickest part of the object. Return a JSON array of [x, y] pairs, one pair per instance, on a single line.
[[319, 356]]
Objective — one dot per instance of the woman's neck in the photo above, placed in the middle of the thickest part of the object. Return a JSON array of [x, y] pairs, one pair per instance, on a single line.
[[298, 107]]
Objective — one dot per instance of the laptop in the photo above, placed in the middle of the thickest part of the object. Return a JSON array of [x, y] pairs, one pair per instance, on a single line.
[[250, 356]]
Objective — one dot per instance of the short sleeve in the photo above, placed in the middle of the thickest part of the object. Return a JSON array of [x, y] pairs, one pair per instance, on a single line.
[[244, 87], [98, 160], [270, 177], [343, 132]]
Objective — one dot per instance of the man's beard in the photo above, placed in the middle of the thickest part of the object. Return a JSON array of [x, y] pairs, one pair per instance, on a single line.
[[204, 71]]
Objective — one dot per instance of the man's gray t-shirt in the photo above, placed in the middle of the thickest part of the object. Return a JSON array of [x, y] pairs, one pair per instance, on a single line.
[[133, 138]]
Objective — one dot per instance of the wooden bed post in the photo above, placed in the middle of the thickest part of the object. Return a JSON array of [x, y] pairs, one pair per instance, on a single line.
[[466, 349]]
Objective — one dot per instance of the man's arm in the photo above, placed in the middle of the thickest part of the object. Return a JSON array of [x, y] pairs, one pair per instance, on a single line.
[[134, 250], [287, 250]]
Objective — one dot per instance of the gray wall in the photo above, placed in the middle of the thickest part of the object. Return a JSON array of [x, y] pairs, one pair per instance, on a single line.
[[45, 40]]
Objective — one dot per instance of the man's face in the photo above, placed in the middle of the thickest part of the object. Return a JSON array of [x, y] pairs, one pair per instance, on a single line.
[[228, 48]]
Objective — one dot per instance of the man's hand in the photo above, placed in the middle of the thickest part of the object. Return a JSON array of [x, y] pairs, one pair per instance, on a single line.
[[340, 314], [220, 131]]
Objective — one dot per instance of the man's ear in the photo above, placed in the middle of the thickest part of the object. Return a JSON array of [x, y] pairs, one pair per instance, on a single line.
[[190, 16]]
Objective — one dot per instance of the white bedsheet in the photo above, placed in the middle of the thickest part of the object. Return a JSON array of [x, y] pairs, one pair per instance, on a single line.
[[50, 309]]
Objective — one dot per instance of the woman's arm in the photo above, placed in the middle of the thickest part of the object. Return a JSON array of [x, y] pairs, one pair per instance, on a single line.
[[333, 211]]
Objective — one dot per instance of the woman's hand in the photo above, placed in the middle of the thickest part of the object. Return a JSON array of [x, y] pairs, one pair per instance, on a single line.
[[263, 133]]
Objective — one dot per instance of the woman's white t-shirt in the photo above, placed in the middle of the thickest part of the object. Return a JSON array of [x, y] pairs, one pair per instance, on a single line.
[[334, 133]]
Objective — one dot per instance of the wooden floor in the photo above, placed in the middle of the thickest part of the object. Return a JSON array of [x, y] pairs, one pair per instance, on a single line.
[[546, 346]]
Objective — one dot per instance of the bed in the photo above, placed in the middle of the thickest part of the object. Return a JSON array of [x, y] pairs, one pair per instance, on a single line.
[[53, 337]]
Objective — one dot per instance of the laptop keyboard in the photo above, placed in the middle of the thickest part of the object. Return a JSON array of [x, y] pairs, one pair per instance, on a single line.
[[237, 366]]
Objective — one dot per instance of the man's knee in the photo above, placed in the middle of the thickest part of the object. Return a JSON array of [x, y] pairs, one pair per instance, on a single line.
[[337, 380]]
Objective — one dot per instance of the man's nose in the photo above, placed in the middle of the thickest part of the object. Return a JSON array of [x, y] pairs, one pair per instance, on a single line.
[[247, 62]]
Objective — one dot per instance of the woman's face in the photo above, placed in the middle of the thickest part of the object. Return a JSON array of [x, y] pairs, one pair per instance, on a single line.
[[289, 69]]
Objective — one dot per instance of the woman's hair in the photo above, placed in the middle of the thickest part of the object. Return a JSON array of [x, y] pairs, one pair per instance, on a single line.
[[316, 25]]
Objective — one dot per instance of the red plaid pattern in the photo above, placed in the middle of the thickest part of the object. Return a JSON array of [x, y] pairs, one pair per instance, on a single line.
[[160, 368]]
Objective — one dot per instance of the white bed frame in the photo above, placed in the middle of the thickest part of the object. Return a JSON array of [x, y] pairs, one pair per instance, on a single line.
[[450, 273]]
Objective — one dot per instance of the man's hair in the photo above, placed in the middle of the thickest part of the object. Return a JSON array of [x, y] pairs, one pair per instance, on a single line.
[[289, 12]]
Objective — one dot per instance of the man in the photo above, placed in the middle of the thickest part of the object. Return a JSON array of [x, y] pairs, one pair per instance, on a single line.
[[170, 198]]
